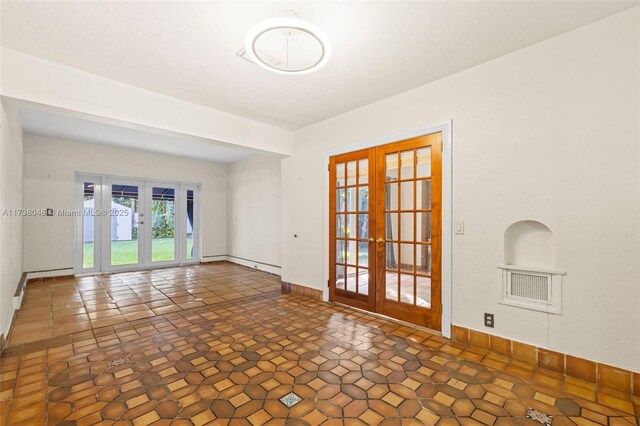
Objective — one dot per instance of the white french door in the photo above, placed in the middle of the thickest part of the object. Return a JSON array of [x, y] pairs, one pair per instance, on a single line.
[[130, 224]]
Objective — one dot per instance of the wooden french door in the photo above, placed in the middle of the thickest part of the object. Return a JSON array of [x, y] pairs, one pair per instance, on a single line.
[[385, 229]]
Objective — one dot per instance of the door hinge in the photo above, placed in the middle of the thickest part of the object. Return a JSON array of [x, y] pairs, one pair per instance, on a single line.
[[329, 283], [441, 146], [328, 167]]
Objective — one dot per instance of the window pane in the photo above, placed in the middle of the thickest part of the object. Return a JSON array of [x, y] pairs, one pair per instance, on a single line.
[[406, 226], [423, 289], [391, 226], [340, 224], [88, 224], [190, 222], [391, 201], [363, 281], [340, 174], [351, 199], [406, 257], [423, 260], [391, 255], [340, 251], [363, 171], [363, 226], [391, 286], [391, 167], [351, 230], [162, 224], [363, 253], [424, 162], [363, 198], [340, 274], [351, 255], [406, 195], [341, 201], [406, 164], [124, 224], [351, 173], [423, 227], [352, 276], [406, 288], [423, 194]]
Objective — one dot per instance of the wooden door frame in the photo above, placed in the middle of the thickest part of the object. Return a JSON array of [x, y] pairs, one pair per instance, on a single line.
[[447, 219]]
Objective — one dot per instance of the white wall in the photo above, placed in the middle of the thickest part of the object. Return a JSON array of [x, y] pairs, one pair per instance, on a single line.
[[253, 187], [49, 182], [11, 179], [548, 133]]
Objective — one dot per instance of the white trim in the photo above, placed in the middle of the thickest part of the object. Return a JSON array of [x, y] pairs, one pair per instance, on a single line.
[[447, 208]]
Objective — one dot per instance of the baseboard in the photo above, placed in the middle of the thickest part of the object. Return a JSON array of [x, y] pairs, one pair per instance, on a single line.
[[599, 374], [314, 293]]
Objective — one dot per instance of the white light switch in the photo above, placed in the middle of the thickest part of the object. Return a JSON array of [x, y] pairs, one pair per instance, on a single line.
[[459, 228]]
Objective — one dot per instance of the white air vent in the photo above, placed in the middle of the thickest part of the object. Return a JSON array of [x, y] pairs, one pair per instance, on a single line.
[[532, 288]]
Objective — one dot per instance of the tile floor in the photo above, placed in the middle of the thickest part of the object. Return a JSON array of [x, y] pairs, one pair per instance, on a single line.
[[219, 344]]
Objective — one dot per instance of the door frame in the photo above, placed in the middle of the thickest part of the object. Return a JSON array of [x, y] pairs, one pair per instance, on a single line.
[[102, 251], [447, 213]]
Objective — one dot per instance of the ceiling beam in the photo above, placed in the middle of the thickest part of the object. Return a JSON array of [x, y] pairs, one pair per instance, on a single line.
[[39, 81]]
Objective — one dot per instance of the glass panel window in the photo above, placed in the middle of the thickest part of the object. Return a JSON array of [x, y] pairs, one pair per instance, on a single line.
[[406, 164], [351, 199], [391, 167], [423, 227], [340, 174], [424, 162], [406, 195], [423, 259], [88, 225], [162, 224], [189, 225], [363, 172], [351, 173], [363, 198], [423, 194], [124, 224], [363, 226], [363, 254], [340, 224], [406, 288], [406, 226], [351, 230], [340, 276], [423, 291], [341, 254], [406, 257], [341, 200]]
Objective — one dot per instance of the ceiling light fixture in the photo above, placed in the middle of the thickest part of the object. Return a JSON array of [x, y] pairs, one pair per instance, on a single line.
[[288, 45]]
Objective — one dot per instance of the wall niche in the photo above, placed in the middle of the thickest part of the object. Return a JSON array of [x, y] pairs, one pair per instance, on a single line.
[[529, 277]]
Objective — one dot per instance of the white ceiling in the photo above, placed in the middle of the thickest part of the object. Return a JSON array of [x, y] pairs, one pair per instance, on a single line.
[[66, 126], [187, 49]]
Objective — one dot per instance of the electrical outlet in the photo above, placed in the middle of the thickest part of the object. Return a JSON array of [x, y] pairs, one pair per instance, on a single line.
[[488, 320]]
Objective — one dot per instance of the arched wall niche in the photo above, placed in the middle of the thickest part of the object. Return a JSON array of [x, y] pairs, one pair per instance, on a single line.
[[529, 243]]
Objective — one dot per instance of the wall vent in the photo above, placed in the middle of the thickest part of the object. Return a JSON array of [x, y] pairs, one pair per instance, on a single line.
[[532, 288]]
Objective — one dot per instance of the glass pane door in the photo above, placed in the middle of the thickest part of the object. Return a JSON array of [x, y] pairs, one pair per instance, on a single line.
[[124, 220], [353, 259], [408, 285], [163, 213]]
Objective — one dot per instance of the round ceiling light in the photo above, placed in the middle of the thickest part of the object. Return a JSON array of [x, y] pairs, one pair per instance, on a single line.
[[288, 45]]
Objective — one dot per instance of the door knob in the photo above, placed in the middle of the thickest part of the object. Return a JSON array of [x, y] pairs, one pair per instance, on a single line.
[[141, 222], [371, 239], [380, 240]]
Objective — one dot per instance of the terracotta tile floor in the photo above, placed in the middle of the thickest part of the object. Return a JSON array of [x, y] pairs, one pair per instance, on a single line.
[[230, 357]]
